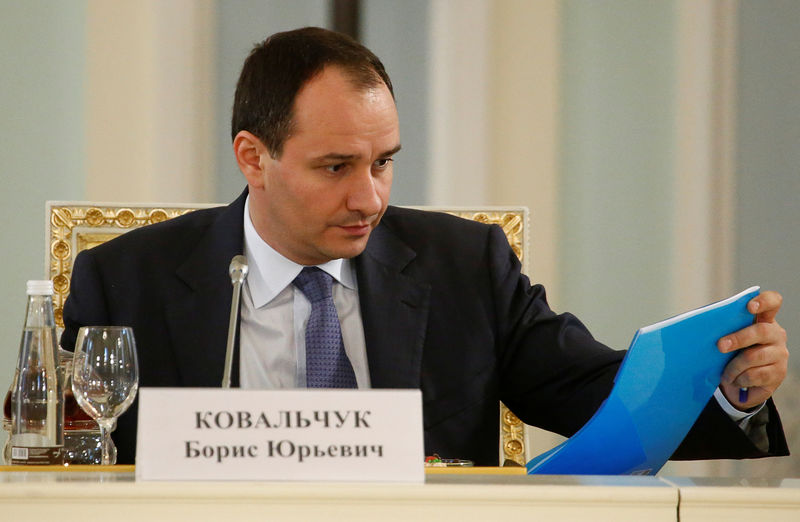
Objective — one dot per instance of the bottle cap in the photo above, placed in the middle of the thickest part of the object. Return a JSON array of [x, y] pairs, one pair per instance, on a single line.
[[40, 287]]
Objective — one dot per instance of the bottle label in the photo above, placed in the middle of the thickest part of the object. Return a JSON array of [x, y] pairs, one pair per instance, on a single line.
[[37, 456]]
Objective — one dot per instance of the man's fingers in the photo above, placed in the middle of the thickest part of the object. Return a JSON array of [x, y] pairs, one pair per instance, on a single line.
[[758, 366], [759, 376], [766, 306], [762, 361], [755, 334]]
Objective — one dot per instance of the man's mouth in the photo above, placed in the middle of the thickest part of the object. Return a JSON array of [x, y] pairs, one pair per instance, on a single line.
[[357, 229]]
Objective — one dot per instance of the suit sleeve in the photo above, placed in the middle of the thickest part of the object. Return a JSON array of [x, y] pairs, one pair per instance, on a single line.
[[86, 303], [716, 436], [555, 375]]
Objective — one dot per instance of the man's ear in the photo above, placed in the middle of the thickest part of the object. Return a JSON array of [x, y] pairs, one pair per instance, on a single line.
[[250, 154]]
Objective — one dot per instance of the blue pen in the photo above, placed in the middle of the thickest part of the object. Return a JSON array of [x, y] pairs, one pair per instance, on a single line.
[[742, 394]]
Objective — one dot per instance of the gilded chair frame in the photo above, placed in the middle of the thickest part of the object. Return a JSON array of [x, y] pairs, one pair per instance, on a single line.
[[75, 226]]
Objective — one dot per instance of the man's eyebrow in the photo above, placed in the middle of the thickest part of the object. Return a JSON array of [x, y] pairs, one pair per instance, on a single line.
[[333, 156], [391, 152]]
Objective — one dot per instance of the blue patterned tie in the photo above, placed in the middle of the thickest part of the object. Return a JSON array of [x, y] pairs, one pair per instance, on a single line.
[[327, 365]]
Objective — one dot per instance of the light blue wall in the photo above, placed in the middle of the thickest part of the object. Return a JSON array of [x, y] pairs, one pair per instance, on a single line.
[[768, 179], [768, 144], [398, 33], [617, 163], [241, 25], [617, 154], [42, 143]]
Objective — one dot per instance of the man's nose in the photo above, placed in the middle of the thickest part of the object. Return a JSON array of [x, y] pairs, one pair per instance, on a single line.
[[363, 194]]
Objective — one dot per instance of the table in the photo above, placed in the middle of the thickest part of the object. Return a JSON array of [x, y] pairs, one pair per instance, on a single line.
[[463, 495], [737, 499]]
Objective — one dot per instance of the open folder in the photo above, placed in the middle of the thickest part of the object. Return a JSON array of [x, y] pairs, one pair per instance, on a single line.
[[668, 375]]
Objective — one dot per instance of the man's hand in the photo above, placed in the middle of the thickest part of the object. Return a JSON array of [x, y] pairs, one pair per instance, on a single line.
[[760, 365]]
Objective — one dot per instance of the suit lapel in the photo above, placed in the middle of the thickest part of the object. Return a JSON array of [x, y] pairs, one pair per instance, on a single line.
[[198, 320], [394, 306], [394, 310]]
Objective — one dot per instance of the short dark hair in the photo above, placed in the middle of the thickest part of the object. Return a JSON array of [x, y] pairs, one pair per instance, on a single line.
[[277, 69]]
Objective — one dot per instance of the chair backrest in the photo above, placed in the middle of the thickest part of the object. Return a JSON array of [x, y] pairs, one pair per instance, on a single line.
[[75, 226]]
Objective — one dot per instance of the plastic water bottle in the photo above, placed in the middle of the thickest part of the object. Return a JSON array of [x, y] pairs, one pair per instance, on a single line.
[[37, 396]]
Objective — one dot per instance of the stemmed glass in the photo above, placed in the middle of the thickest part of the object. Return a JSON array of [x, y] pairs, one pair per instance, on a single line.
[[105, 376]]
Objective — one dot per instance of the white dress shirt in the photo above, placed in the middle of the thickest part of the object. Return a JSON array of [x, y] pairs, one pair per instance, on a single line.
[[272, 345]]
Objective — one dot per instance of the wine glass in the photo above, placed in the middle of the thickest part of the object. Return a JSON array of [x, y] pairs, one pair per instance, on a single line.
[[105, 376]]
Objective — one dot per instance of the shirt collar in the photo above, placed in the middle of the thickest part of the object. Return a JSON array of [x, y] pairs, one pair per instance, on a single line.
[[271, 272]]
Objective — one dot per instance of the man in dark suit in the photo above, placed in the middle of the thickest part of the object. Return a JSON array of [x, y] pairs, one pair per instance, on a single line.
[[425, 300]]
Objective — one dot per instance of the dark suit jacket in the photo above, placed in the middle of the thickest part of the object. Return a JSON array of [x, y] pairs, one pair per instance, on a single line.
[[444, 306]]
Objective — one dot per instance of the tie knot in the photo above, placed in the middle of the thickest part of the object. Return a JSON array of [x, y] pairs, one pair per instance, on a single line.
[[314, 283]]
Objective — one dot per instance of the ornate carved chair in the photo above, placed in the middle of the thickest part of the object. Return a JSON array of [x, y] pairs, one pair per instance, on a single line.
[[72, 227]]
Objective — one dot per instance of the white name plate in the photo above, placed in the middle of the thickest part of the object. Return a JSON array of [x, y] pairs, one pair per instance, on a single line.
[[309, 435]]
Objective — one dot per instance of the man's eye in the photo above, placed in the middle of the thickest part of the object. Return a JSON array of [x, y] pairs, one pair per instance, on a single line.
[[335, 168], [383, 163]]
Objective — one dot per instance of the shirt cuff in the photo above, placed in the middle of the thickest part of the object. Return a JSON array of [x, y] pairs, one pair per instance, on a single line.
[[742, 418]]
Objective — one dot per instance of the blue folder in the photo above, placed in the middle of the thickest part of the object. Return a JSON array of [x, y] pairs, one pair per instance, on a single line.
[[667, 377]]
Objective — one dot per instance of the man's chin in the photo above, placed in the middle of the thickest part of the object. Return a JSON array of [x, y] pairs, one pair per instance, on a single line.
[[348, 249]]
